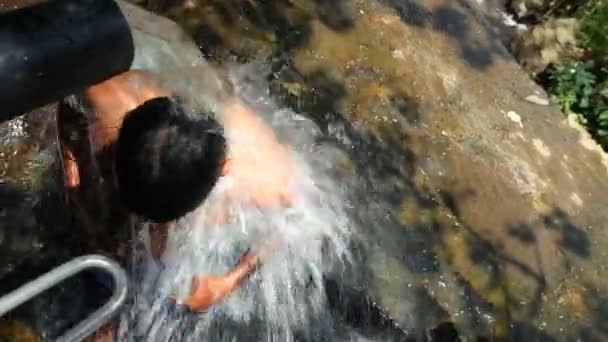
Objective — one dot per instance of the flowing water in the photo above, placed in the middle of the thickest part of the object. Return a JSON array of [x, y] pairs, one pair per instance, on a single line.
[[292, 297], [285, 299], [401, 76]]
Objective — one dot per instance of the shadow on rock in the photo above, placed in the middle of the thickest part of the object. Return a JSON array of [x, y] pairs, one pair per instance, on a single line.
[[523, 331], [573, 238], [478, 49], [234, 28]]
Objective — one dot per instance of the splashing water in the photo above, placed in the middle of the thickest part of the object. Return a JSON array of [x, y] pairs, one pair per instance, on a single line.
[[285, 299]]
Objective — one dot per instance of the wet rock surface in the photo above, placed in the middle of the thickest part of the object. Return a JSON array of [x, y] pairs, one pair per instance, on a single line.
[[16, 331], [525, 8], [31, 203], [477, 206], [547, 43], [480, 207], [35, 234]]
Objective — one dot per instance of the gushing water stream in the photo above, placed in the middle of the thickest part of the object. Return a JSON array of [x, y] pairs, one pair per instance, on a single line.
[[285, 299]]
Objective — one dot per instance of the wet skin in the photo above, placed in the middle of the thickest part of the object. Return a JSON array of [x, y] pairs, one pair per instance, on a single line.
[[260, 167]]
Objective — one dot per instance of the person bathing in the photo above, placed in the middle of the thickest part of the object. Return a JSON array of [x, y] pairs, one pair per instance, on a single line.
[[141, 155]]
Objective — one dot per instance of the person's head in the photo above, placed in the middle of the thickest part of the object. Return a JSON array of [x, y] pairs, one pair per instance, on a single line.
[[167, 162]]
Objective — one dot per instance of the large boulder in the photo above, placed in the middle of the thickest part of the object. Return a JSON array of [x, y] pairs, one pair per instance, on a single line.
[[164, 49], [489, 206], [160, 44]]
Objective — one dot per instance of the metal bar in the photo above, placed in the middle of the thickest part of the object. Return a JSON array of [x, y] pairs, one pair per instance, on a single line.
[[97, 319]]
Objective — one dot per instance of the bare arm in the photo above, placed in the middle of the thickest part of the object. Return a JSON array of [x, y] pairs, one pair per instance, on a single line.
[[208, 290]]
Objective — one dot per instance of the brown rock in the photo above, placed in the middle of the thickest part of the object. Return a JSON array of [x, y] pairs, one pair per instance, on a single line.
[[513, 198], [524, 8], [16, 331], [546, 43]]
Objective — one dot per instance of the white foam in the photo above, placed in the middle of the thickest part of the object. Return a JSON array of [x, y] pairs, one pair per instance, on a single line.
[[285, 297]]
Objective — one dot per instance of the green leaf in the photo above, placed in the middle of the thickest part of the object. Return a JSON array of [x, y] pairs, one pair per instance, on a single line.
[[602, 119]]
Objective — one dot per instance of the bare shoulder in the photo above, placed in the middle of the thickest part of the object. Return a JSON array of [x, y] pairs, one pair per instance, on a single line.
[[137, 76], [132, 82]]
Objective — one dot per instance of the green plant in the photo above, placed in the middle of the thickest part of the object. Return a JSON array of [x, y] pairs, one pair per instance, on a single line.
[[594, 29], [573, 85], [580, 86], [602, 119]]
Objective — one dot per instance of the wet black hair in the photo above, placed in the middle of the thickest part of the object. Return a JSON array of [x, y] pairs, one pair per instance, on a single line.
[[166, 161]]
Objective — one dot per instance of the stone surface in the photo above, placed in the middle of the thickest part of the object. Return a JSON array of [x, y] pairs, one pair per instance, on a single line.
[[550, 42], [16, 331], [30, 196], [525, 8], [35, 234], [478, 205], [163, 48], [541, 101], [160, 44]]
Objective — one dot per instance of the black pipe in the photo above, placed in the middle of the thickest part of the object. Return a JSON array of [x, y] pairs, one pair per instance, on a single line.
[[56, 48]]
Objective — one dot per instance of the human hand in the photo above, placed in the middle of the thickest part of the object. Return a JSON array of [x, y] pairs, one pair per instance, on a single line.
[[206, 291]]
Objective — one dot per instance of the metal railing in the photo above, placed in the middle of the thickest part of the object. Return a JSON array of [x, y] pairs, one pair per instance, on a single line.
[[94, 321]]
